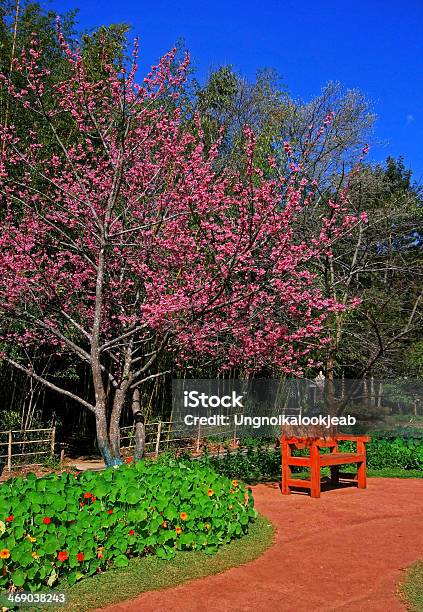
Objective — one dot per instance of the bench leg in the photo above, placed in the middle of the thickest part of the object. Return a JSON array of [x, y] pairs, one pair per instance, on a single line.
[[361, 475], [286, 475], [334, 474], [314, 472], [286, 470]]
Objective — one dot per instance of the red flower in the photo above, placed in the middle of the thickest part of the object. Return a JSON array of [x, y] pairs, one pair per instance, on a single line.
[[46, 520], [82, 504], [80, 557], [129, 459], [63, 555], [10, 518], [93, 499], [87, 495], [132, 532], [109, 511]]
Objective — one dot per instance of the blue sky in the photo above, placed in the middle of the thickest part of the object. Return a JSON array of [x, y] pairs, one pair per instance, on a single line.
[[375, 46]]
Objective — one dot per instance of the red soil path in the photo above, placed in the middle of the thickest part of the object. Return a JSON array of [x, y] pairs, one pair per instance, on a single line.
[[345, 551]]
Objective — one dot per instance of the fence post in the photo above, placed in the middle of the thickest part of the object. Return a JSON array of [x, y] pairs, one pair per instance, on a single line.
[[198, 439], [159, 430], [9, 451], [53, 439]]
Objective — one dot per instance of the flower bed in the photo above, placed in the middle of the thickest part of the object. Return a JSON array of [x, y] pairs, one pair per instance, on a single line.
[[77, 525]]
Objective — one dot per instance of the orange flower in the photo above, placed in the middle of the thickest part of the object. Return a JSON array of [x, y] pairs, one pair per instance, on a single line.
[[231, 490], [183, 516], [100, 552], [4, 553], [210, 492], [234, 483], [164, 524], [178, 530], [35, 556], [87, 495]]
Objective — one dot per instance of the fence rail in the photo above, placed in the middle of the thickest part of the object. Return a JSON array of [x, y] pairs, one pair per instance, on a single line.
[[14, 446], [165, 435]]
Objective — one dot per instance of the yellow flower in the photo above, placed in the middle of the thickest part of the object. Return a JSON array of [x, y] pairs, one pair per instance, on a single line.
[[4, 553], [2, 527], [35, 556], [207, 526], [30, 538]]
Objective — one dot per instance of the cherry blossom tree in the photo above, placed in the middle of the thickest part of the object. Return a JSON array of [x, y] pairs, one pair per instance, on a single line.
[[119, 241]]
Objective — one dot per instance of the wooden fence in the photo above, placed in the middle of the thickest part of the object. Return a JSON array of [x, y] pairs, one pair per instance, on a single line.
[[161, 436], [17, 446]]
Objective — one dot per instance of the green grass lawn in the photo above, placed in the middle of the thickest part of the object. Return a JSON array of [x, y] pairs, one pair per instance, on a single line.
[[151, 573], [371, 473], [412, 587], [394, 473]]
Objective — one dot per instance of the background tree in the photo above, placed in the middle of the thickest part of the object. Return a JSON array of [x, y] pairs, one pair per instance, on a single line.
[[283, 126], [381, 263]]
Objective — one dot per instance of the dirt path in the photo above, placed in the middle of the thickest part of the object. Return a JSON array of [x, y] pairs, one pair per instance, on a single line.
[[343, 552]]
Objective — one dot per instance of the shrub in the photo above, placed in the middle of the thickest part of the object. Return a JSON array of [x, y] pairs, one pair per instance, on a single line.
[[396, 452], [261, 463], [251, 465], [76, 525]]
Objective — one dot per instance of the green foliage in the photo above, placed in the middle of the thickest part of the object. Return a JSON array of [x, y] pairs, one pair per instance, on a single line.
[[253, 464], [385, 452], [262, 463], [79, 525]]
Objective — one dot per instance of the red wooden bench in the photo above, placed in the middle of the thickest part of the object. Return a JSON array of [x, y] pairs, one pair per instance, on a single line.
[[316, 460]]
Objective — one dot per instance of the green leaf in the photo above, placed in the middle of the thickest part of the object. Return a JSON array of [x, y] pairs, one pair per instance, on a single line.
[[120, 561], [18, 578]]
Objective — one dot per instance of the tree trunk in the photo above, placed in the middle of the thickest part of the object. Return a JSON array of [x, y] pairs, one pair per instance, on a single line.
[[110, 458], [114, 428], [139, 426]]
